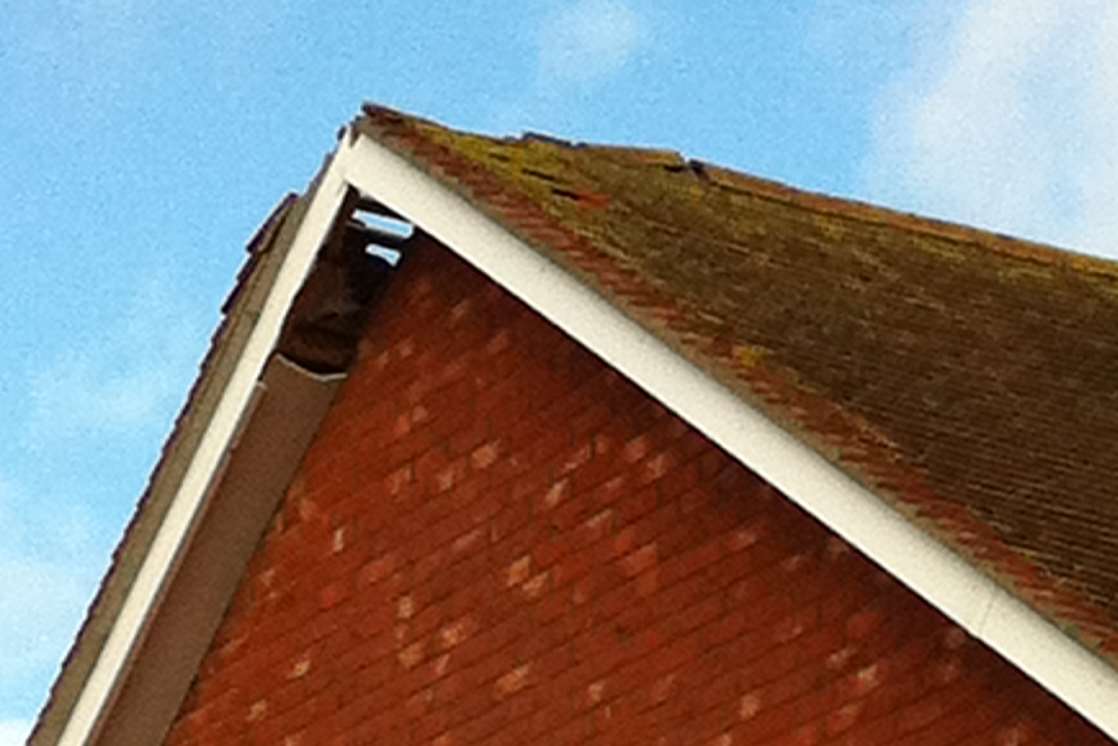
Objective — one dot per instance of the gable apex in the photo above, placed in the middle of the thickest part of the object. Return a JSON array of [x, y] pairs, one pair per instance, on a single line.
[[881, 370]]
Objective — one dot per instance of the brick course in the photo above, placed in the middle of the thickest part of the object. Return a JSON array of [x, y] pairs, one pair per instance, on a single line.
[[497, 539]]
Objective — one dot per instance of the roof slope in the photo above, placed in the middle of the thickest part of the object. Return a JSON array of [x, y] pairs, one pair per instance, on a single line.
[[968, 379]]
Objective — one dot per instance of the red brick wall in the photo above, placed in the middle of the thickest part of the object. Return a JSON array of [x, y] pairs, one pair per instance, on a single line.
[[495, 539]]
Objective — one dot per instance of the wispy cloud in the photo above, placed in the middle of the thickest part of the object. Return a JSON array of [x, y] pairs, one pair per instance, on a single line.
[[578, 47], [45, 577], [588, 40], [127, 378], [50, 592], [1009, 123], [14, 732], [85, 407]]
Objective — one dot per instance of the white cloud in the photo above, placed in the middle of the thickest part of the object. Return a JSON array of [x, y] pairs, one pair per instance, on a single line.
[[88, 409], [54, 595], [128, 378], [1009, 123], [588, 40], [45, 582], [14, 732]]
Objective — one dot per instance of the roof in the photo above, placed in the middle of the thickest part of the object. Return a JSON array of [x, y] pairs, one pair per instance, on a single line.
[[959, 378], [969, 379]]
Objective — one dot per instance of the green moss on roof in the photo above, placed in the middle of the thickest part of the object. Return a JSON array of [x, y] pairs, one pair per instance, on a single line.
[[968, 378]]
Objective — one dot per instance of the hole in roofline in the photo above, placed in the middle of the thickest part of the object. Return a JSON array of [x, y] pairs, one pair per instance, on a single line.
[[394, 227], [391, 257], [384, 231]]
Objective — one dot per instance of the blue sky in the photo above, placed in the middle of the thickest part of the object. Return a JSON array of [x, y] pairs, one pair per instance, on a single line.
[[143, 141]]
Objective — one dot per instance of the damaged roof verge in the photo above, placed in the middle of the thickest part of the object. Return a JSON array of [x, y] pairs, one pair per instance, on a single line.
[[280, 256]]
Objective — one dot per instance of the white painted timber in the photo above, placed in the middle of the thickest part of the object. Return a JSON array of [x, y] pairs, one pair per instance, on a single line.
[[188, 503], [1077, 676]]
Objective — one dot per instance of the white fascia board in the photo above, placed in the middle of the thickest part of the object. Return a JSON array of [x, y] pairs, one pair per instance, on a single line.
[[1074, 674], [188, 504]]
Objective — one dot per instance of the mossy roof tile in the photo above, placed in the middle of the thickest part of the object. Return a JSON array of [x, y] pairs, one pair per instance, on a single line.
[[969, 379]]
